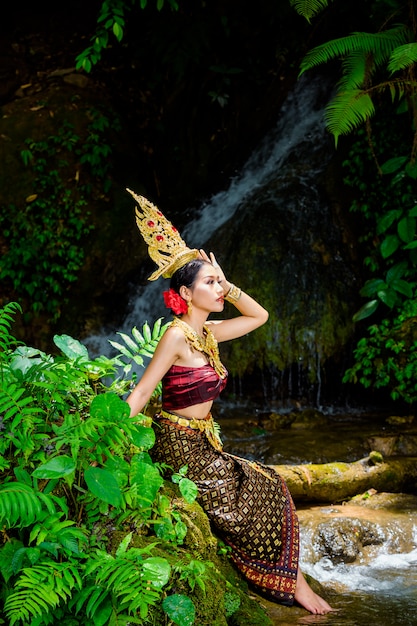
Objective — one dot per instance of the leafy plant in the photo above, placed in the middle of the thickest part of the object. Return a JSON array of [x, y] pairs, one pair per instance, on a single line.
[[111, 21], [390, 52], [76, 474], [45, 239], [388, 356]]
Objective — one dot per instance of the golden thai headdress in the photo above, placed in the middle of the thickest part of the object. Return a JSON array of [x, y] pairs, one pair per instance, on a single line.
[[165, 245]]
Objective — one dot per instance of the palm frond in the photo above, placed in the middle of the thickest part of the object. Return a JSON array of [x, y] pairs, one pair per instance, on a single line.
[[379, 45], [309, 8], [348, 110], [403, 56]]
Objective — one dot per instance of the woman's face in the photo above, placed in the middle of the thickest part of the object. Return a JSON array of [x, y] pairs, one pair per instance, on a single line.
[[207, 292]]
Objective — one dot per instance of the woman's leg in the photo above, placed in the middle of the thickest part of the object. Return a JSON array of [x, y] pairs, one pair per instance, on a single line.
[[308, 599]]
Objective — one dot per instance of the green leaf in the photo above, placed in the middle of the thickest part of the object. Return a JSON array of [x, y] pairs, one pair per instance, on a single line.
[[387, 219], [55, 468], [157, 570], [109, 406], [124, 544], [72, 348], [396, 271], [188, 489], [103, 485], [394, 164], [371, 287], [118, 31], [411, 170], [180, 609], [366, 310], [143, 437], [389, 246], [402, 286], [148, 480], [388, 297], [407, 229]]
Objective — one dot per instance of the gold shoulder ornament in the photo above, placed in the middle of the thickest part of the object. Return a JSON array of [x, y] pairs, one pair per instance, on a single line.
[[207, 345]]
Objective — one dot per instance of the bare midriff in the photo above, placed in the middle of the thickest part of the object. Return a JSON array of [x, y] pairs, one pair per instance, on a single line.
[[196, 411]]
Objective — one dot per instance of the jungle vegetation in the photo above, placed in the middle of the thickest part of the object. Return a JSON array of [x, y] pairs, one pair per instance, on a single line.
[[91, 532]]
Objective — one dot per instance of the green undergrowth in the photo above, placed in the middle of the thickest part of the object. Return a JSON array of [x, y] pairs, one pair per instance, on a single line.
[[93, 534]]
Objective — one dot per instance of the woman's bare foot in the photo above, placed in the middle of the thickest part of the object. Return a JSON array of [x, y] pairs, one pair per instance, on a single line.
[[308, 599]]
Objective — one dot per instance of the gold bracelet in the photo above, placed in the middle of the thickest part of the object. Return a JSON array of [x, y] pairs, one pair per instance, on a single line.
[[233, 294]]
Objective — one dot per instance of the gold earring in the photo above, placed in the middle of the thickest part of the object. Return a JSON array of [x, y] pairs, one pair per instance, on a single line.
[[190, 306]]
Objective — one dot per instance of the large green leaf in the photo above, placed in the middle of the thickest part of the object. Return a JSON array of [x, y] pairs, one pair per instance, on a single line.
[[180, 609], [57, 467], [109, 406], [143, 437], [157, 570], [148, 481], [393, 165], [103, 485], [71, 347]]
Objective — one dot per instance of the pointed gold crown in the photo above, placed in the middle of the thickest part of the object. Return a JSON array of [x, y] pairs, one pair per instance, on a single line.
[[165, 245]]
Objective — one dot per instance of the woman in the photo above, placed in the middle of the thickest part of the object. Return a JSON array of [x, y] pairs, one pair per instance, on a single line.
[[249, 505]]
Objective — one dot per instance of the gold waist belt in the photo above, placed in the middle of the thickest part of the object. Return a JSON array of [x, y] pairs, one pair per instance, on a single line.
[[207, 426]]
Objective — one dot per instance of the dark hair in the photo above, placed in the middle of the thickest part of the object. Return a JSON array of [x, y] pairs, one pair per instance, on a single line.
[[186, 275]]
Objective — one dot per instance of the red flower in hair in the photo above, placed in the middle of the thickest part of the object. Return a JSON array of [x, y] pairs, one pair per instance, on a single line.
[[175, 302]]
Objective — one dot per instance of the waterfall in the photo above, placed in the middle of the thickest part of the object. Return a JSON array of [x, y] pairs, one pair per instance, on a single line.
[[300, 121]]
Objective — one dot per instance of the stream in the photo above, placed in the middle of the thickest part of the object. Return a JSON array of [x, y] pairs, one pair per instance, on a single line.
[[378, 585]]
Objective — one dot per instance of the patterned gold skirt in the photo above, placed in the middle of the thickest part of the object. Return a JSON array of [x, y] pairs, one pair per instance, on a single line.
[[249, 506]]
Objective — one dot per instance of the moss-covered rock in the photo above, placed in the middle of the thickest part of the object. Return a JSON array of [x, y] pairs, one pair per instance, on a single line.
[[222, 596]]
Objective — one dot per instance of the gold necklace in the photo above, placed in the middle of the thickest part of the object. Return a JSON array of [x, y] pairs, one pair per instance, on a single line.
[[207, 344]]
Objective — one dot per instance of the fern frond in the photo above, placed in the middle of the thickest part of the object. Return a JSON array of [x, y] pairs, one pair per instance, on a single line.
[[127, 581], [41, 588], [355, 71], [6, 319], [142, 344], [379, 45], [15, 407], [348, 110], [22, 506], [403, 56], [309, 8]]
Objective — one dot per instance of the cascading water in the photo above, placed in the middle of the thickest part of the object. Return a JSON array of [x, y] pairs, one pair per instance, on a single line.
[[300, 121]]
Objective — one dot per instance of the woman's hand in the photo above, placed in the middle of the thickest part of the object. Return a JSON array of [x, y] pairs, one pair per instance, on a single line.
[[221, 277]]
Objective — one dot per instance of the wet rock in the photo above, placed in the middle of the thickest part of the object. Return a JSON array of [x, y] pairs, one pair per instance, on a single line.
[[342, 540]]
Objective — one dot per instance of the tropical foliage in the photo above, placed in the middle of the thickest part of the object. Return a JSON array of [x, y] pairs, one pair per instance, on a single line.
[[375, 64], [86, 516], [372, 64]]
